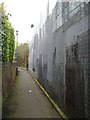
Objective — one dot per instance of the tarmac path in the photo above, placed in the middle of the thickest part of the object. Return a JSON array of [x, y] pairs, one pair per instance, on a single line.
[[26, 100]]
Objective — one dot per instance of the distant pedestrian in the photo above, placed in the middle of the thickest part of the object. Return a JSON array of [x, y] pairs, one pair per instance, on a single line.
[[27, 66]]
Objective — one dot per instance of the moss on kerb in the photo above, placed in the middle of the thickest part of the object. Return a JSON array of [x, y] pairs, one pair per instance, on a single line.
[[53, 103]]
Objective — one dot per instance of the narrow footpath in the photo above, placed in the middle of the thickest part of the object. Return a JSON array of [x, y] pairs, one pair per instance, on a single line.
[[26, 100]]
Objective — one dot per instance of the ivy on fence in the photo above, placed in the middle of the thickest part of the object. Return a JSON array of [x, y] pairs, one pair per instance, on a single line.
[[8, 38]]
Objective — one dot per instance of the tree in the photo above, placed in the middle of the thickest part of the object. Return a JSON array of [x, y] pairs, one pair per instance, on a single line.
[[23, 55]]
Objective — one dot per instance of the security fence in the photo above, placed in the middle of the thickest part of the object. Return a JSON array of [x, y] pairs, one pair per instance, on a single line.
[[60, 57]]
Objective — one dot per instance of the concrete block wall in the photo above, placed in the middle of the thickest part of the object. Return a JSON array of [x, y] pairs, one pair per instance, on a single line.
[[8, 76], [0, 89]]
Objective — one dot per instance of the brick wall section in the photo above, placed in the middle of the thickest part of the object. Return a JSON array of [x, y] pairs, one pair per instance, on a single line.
[[8, 76]]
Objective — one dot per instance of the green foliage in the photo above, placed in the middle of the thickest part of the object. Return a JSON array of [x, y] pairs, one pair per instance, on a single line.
[[8, 39]]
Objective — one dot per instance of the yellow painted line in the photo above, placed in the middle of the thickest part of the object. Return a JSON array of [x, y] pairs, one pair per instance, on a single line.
[[53, 103]]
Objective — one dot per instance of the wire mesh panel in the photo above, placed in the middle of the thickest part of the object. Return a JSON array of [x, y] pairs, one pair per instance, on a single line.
[[62, 59]]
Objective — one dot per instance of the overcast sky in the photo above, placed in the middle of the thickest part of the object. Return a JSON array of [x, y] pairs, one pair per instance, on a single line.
[[26, 12]]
